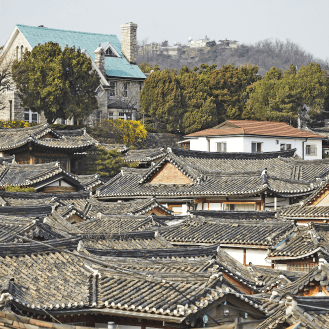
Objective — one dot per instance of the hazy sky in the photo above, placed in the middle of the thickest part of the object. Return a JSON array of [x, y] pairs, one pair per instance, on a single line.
[[305, 22]]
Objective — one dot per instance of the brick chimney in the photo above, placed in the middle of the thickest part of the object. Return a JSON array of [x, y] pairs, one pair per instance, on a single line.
[[129, 42], [100, 59]]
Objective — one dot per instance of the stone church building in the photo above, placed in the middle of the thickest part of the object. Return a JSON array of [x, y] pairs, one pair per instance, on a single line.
[[115, 61]]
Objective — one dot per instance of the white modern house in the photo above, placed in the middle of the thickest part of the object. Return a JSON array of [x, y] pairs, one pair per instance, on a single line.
[[256, 137]]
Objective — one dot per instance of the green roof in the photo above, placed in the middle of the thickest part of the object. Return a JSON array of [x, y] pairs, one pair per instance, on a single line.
[[116, 67]]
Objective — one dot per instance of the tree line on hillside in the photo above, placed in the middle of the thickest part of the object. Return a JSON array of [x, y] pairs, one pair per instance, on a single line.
[[264, 54], [189, 100]]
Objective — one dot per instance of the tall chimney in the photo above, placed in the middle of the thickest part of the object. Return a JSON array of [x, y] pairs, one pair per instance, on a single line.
[[129, 42], [100, 59]]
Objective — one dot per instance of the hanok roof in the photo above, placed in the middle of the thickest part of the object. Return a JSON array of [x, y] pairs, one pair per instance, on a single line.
[[11, 320], [227, 232], [115, 66], [305, 241], [319, 274], [136, 207], [36, 175], [295, 314], [210, 173], [119, 224], [83, 284], [45, 137], [260, 128], [144, 155], [124, 241], [231, 214]]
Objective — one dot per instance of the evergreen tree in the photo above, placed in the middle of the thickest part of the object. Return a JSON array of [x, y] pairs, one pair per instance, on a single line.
[[59, 83]]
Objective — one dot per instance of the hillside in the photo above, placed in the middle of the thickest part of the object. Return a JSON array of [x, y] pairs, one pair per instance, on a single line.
[[265, 54]]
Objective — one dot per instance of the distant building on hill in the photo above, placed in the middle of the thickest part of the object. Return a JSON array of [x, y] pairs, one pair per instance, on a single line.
[[256, 137]]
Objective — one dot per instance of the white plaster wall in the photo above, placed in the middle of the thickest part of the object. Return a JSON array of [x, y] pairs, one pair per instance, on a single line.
[[184, 209], [236, 253], [199, 144], [233, 144], [256, 256], [214, 206], [282, 267], [199, 206], [269, 144]]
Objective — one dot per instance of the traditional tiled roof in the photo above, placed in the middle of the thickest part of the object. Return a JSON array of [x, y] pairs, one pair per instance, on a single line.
[[144, 155], [317, 274], [305, 241], [10, 227], [263, 233], [116, 147], [230, 214], [69, 140], [12, 320], [124, 241], [297, 312], [136, 207], [29, 248], [119, 224], [261, 128], [89, 181], [213, 173], [36, 175], [273, 278], [304, 212], [195, 258], [32, 211], [115, 66]]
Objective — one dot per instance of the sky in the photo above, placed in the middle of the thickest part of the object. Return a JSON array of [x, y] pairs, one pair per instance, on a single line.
[[304, 22]]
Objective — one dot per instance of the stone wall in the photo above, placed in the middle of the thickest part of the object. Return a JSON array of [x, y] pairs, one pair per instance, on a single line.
[[15, 111], [129, 42]]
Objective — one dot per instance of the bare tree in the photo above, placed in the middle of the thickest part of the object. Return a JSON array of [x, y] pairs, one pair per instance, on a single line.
[[127, 97]]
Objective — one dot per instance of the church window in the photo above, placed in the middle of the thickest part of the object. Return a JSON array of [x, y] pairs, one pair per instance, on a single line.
[[113, 87], [125, 89]]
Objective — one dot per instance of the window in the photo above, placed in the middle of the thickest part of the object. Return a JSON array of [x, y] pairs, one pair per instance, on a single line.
[[110, 116], [109, 52], [63, 121], [8, 87], [125, 89], [30, 116], [256, 147], [141, 83], [99, 116], [122, 116], [310, 149], [113, 87], [284, 147], [221, 147], [301, 267], [99, 91]]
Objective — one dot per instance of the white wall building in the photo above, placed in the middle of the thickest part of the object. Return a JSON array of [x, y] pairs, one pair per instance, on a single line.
[[256, 137]]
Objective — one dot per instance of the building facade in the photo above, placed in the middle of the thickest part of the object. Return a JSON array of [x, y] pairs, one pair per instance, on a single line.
[[115, 61], [256, 137]]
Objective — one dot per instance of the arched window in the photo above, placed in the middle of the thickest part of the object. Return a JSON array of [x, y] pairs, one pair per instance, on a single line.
[[22, 51], [17, 49]]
